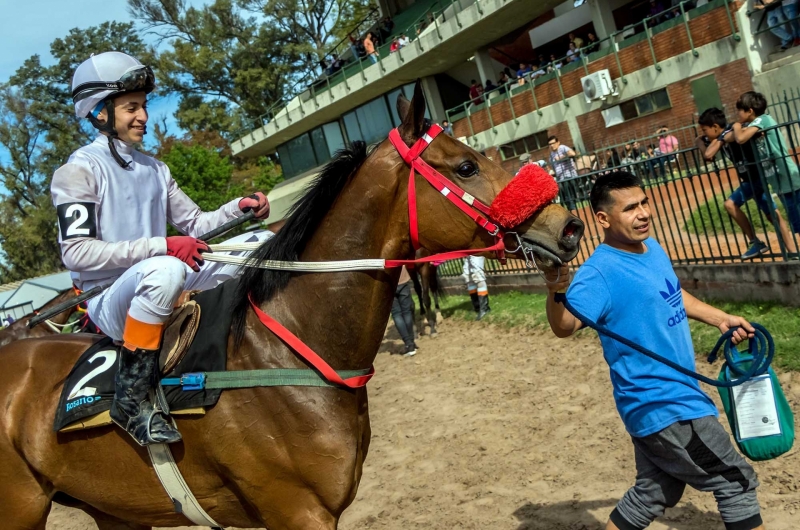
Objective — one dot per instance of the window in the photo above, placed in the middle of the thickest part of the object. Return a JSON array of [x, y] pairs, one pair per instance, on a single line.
[[333, 137], [524, 145], [644, 105]]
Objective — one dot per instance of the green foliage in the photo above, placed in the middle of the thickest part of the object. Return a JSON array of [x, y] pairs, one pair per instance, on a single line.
[[516, 309], [710, 217], [203, 174], [269, 175], [38, 132]]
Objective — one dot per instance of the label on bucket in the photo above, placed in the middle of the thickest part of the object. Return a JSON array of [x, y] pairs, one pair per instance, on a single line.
[[755, 409]]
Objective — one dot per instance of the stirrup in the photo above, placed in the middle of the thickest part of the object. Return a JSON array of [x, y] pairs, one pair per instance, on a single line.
[[140, 427]]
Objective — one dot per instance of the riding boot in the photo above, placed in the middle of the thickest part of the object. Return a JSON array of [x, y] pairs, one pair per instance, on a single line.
[[483, 302], [133, 407], [475, 302]]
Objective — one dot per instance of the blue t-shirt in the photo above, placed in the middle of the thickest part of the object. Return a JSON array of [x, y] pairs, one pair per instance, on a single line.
[[639, 297]]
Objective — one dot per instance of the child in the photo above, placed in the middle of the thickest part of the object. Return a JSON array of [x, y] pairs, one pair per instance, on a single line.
[[780, 170], [718, 138]]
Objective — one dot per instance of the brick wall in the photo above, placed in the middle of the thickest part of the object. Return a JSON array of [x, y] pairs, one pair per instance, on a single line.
[[705, 29], [732, 79]]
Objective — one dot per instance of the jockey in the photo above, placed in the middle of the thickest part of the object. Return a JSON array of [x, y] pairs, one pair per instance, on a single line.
[[113, 205]]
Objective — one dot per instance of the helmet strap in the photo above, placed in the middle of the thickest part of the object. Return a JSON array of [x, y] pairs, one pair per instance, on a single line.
[[109, 129]]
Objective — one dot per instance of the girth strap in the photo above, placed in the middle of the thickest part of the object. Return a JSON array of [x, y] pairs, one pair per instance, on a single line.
[[171, 478]]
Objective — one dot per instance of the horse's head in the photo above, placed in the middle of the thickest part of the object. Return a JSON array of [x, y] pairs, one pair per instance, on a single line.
[[547, 230]]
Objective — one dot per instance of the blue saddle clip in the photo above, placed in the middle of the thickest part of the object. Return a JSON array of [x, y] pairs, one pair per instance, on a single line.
[[188, 382]]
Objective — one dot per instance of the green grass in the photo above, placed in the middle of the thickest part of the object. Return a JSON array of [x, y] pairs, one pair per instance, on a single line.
[[528, 311], [712, 215]]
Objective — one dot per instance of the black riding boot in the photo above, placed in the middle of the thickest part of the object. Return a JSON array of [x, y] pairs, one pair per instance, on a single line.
[[475, 302], [483, 302], [133, 407]]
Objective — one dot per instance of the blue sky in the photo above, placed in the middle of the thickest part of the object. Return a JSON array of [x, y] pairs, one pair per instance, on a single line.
[[31, 26]]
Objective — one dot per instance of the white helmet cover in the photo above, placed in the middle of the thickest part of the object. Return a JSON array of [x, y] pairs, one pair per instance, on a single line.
[[107, 67]]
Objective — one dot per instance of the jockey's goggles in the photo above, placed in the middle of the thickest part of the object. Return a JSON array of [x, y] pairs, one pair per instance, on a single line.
[[139, 79]]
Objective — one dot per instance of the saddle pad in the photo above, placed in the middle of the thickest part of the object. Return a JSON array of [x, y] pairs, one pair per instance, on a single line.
[[89, 387]]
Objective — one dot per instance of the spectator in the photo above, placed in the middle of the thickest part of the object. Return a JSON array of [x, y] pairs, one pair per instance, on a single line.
[[447, 128], [489, 86], [717, 137], [592, 44], [402, 41], [504, 80], [475, 91], [387, 25], [790, 11], [8, 320], [403, 313], [779, 168], [538, 71], [357, 47], [394, 46], [629, 157], [369, 47], [572, 53], [523, 69], [656, 13], [776, 20], [655, 156], [611, 159], [476, 284], [666, 142], [542, 61], [524, 160], [554, 64], [511, 75], [561, 158], [577, 41], [336, 64]]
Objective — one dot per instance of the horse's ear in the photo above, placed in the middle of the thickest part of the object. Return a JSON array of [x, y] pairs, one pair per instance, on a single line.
[[413, 115]]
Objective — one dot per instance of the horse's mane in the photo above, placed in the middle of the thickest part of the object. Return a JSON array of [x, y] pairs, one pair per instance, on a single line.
[[304, 218]]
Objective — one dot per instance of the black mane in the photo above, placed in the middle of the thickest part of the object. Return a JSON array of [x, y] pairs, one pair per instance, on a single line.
[[304, 217]]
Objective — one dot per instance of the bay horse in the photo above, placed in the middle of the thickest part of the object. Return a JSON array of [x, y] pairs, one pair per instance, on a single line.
[[19, 329], [283, 458], [428, 289]]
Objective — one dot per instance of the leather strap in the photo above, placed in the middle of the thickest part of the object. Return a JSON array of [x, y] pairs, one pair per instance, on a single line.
[[309, 355], [182, 497]]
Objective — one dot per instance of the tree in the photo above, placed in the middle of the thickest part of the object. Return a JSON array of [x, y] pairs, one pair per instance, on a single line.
[[203, 174], [224, 63], [232, 59], [38, 132]]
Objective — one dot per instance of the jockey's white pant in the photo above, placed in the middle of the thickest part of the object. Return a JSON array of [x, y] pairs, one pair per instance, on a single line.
[[149, 290]]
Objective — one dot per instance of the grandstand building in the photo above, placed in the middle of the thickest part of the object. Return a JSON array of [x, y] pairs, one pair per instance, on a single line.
[[647, 69]]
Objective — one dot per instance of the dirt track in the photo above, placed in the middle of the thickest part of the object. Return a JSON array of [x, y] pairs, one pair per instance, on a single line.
[[511, 429]]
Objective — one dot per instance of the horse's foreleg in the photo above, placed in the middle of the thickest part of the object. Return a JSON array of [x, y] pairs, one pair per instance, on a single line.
[[24, 505]]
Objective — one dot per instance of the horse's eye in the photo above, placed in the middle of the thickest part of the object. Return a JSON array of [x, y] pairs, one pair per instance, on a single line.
[[467, 169]]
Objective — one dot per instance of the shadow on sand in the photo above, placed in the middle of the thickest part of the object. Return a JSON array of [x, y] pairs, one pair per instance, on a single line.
[[577, 515]]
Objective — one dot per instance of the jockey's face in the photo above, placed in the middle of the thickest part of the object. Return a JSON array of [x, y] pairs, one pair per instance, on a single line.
[[130, 115]]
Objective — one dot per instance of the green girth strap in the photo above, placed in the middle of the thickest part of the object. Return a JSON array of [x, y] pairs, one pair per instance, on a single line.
[[256, 378]]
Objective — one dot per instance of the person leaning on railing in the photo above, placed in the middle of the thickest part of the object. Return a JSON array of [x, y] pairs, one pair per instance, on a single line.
[[779, 169], [777, 15], [718, 138]]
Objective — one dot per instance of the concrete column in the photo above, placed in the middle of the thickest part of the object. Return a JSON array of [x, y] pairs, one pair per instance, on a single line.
[[602, 18], [485, 67], [434, 99], [575, 131]]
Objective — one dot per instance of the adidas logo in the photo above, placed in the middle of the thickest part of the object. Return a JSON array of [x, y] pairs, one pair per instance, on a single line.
[[673, 294]]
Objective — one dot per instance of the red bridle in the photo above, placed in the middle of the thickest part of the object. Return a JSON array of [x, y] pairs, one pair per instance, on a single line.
[[474, 208]]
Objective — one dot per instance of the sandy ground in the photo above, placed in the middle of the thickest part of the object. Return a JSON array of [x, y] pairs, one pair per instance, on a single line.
[[511, 429]]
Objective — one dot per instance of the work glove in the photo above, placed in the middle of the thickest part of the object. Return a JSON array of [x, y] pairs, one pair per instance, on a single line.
[[187, 249], [258, 203]]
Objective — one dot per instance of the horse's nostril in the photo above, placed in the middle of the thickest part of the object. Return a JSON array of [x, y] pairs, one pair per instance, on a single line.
[[571, 235]]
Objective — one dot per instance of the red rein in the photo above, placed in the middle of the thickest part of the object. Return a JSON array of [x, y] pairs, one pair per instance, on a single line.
[[530, 191]]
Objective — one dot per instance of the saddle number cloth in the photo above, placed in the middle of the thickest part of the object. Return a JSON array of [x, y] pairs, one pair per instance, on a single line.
[[758, 413], [89, 387]]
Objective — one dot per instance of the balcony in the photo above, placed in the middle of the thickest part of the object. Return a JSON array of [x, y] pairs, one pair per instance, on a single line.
[[458, 28], [621, 53]]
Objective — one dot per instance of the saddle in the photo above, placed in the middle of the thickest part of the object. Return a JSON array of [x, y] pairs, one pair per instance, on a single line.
[[186, 347]]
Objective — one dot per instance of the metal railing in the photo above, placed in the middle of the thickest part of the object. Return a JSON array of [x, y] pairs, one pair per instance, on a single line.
[[436, 14], [688, 195], [588, 54]]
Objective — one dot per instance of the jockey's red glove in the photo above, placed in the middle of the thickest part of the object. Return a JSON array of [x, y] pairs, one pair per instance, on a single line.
[[258, 203], [187, 249]]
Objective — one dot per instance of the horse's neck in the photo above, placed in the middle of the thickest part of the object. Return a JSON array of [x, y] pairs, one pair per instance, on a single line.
[[343, 315]]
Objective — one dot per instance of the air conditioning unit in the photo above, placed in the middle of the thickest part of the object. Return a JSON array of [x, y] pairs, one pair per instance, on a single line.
[[598, 85]]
